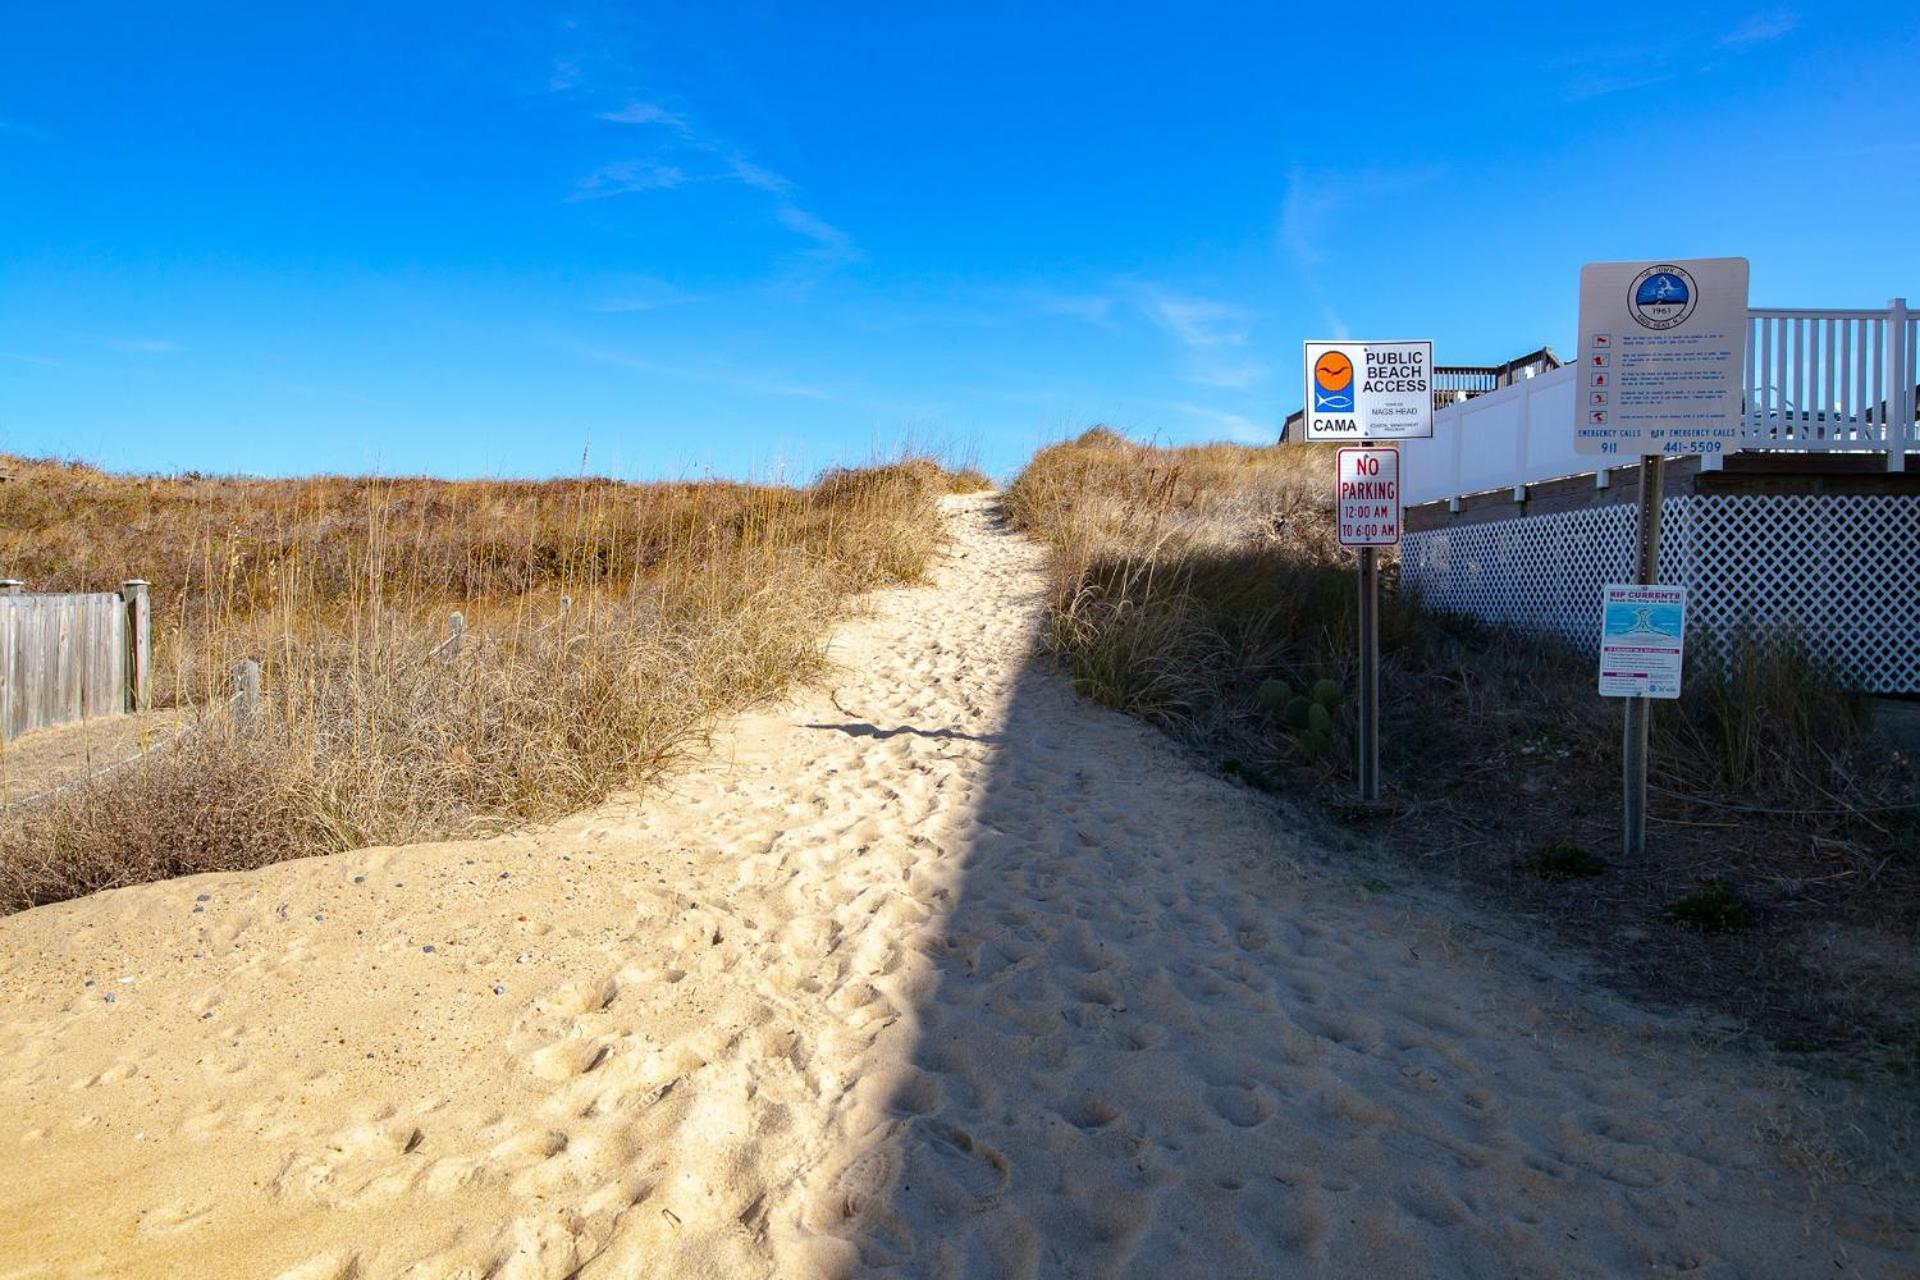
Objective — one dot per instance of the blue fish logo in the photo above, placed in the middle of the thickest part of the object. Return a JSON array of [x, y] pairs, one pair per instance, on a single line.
[[1333, 383]]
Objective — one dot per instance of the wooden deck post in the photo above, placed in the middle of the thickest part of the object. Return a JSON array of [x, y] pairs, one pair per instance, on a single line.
[[11, 586], [136, 594]]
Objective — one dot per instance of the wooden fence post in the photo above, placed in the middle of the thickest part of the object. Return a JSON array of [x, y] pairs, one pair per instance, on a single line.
[[12, 670], [246, 694], [136, 593], [456, 630]]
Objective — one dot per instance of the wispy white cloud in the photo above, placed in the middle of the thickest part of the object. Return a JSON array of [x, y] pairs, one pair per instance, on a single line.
[[27, 357], [1196, 322], [770, 384], [1304, 212], [1628, 62], [1093, 308], [615, 306], [1316, 199], [1211, 333], [1587, 88], [624, 177], [1229, 376], [142, 346], [722, 162], [1757, 28], [1313, 207], [21, 129], [641, 294], [645, 113], [832, 246]]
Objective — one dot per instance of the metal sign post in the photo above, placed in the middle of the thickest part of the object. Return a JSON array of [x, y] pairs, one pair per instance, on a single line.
[[1639, 709], [1367, 517], [1662, 370], [1369, 674]]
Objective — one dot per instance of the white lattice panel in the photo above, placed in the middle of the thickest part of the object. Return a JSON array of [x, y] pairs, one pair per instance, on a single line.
[[1843, 570], [1535, 573]]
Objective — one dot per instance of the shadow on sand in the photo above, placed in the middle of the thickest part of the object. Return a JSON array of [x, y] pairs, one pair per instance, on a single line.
[[861, 729], [1144, 1044]]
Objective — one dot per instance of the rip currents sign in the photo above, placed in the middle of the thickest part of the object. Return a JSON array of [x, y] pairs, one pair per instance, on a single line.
[[1643, 641]]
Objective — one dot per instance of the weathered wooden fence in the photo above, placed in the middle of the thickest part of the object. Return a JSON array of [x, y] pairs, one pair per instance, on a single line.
[[71, 657]]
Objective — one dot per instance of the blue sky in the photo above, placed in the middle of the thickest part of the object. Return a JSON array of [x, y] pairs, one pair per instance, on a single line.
[[484, 239]]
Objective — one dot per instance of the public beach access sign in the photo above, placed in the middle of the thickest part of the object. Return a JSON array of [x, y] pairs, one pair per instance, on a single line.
[[1367, 497], [1369, 391], [1662, 356], [1643, 637]]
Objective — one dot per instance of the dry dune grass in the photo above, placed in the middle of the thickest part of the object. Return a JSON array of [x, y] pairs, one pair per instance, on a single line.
[[1202, 589], [607, 625], [1180, 572], [1102, 494]]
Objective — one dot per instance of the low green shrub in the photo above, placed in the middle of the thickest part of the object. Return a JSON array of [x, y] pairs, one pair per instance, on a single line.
[[1714, 907], [1560, 861]]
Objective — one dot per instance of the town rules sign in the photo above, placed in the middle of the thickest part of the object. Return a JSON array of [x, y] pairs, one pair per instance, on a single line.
[[1367, 497]]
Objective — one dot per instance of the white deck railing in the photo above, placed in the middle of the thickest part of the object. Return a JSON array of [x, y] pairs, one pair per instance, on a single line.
[[1816, 380]]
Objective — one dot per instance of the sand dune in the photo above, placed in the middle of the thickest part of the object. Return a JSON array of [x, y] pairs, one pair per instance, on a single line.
[[938, 972]]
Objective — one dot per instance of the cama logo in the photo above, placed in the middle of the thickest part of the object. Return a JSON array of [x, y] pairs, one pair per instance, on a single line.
[[1333, 383]]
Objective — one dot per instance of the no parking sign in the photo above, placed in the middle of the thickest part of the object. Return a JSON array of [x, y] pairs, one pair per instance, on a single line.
[[1367, 497]]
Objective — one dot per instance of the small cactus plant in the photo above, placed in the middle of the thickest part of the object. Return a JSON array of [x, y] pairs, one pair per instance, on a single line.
[[1312, 716]]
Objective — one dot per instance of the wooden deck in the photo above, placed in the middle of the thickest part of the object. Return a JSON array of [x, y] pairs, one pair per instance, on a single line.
[[1751, 472]]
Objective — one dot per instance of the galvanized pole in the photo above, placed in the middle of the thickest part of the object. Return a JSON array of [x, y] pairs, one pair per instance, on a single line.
[[1634, 746], [1369, 674], [1369, 670]]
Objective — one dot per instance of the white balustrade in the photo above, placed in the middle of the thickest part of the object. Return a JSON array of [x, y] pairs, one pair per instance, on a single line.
[[1816, 380]]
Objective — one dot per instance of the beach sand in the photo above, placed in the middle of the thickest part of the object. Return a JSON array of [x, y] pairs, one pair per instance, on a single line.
[[937, 971]]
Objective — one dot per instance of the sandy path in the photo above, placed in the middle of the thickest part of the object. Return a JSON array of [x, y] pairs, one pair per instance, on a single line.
[[37, 762], [944, 973]]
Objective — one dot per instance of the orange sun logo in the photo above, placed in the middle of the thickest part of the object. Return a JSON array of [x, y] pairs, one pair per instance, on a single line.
[[1333, 371]]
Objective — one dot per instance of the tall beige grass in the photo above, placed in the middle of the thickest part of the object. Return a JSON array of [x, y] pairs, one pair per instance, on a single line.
[[608, 624], [1180, 572], [1185, 577]]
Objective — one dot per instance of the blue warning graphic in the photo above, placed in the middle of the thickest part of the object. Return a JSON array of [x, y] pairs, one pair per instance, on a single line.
[[1662, 288]]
